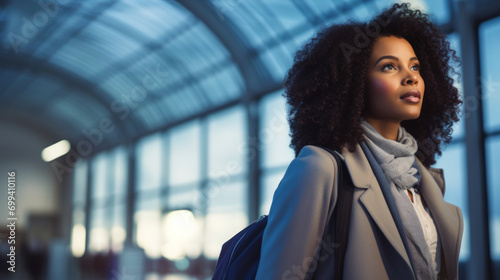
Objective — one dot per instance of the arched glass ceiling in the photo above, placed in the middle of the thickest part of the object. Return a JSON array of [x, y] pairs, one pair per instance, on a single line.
[[148, 64]]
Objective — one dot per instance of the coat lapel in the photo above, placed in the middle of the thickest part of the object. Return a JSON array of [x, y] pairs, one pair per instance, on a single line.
[[373, 199], [447, 218]]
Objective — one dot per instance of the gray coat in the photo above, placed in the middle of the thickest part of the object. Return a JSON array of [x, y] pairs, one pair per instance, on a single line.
[[293, 244]]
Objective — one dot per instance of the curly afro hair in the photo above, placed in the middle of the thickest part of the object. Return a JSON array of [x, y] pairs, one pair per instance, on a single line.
[[326, 87]]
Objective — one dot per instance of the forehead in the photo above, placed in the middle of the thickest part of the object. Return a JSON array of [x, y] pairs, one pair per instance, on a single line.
[[392, 45]]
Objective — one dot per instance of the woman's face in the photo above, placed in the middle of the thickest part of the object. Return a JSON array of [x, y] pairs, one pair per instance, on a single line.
[[395, 87]]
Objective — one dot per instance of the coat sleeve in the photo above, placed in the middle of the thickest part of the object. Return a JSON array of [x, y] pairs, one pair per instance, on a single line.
[[298, 215]]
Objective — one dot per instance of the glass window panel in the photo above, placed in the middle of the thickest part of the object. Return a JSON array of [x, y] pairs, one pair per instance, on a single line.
[[117, 230], [226, 215], [490, 73], [185, 197], [150, 18], [230, 82], [277, 60], [184, 160], [149, 162], [80, 183], [99, 239], [78, 232], [150, 115], [121, 171], [147, 219], [455, 174], [269, 182], [440, 9], [181, 235], [250, 25], [320, 7], [120, 87], [274, 132], [99, 176], [360, 12], [493, 179], [227, 140], [283, 15]]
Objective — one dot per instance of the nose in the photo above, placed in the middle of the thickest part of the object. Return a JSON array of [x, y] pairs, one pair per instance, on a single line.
[[411, 79]]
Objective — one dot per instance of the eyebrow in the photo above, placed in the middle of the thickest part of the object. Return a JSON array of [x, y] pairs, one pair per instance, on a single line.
[[391, 57]]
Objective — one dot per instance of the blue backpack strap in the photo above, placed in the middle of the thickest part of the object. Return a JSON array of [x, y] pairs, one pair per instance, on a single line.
[[339, 223]]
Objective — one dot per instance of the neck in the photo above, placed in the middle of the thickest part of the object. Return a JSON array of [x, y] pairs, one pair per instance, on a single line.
[[387, 128]]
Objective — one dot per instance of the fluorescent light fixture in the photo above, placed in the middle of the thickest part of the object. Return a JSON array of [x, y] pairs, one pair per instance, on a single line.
[[56, 150]]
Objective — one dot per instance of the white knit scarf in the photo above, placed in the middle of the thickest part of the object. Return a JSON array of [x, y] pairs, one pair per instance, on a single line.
[[397, 158]]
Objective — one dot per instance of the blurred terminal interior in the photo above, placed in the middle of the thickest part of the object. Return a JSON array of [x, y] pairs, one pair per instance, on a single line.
[[169, 118]]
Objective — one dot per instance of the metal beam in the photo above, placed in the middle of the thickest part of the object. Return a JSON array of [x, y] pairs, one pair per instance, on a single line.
[[254, 72], [20, 62], [479, 266]]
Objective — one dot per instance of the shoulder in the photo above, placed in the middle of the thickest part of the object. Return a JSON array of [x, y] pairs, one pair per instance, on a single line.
[[315, 159], [313, 167]]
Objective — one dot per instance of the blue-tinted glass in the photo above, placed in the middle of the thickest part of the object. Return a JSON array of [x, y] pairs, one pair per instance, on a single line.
[[256, 32], [490, 73], [149, 114], [277, 60], [100, 221], [119, 86], [80, 183], [150, 162], [230, 84], [455, 174], [147, 220], [274, 132], [99, 176], [279, 14], [438, 9], [184, 151], [121, 171], [117, 230], [228, 144], [493, 166], [360, 12], [185, 196], [320, 7], [269, 182], [93, 49], [150, 18], [226, 215]]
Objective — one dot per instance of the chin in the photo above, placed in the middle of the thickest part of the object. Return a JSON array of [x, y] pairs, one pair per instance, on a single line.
[[412, 116]]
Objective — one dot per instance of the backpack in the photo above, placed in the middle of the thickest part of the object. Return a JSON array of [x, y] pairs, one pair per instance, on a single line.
[[239, 257]]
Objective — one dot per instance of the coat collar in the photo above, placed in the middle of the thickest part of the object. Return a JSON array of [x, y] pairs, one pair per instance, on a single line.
[[432, 188]]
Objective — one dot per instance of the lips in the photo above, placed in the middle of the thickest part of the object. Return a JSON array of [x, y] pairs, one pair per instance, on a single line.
[[412, 96]]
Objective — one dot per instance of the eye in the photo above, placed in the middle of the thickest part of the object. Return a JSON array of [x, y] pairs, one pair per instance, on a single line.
[[416, 66], [388, 65]]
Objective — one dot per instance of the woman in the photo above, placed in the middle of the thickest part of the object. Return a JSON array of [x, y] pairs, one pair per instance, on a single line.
[[381, 94]]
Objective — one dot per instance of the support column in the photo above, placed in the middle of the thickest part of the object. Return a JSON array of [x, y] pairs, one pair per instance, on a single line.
[[88, 203], [479, 265], [130, 207], [253, 155]]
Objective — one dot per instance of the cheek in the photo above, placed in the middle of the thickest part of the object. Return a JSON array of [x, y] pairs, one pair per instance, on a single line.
[[381, 88]]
